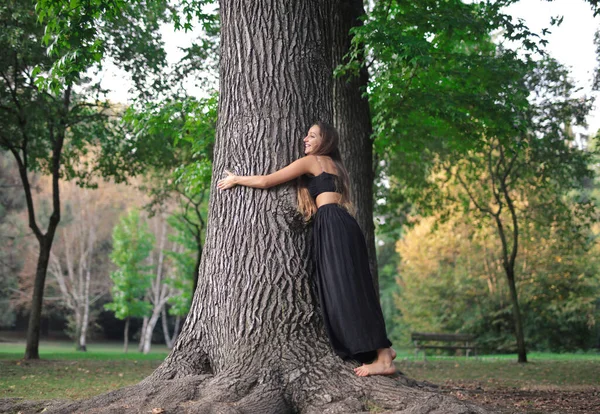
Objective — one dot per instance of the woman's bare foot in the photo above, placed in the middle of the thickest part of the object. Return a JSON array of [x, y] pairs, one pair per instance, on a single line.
[[393, 353], [383, 365]]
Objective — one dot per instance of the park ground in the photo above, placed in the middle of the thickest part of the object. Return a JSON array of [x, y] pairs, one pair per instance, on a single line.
[[549, 383]]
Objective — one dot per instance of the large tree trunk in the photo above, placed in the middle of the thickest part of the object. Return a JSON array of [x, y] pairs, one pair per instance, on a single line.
[[253, 341], [352, 117]]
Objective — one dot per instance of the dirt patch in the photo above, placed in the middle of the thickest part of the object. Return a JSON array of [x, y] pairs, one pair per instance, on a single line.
[[585, 400]]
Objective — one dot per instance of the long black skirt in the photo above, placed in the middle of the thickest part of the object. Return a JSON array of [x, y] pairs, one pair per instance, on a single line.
[[349, 305]]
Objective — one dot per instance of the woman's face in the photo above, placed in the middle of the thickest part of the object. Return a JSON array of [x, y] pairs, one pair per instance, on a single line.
[[312, 140]]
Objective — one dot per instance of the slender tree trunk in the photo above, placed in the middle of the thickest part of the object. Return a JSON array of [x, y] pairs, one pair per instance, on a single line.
[[508, 262], [126, 335], [86, 313], [510, 266], [143, 334], [352, 117], [176, 330], [87, 260], [165, 326], [253, 341], [150, 329], [33, 328], [520, 335], [57, 137], [45, 245]]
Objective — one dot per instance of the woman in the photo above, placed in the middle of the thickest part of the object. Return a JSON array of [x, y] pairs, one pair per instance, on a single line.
[[350, 308]]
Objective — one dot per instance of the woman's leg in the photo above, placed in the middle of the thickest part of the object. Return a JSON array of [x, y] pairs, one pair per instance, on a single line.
[[383, 365]]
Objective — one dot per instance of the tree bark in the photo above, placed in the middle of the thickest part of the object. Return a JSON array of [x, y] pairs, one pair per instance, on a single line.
[[198, 260], [149, 330], [126, 335], [519, 333], [176, 330], [143, 331], [33, 327], [44, 240], [253, 341], [165, 326], [86, 298], [352, 117]]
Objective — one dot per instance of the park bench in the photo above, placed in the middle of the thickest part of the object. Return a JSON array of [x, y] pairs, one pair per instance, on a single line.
[[452, 341]]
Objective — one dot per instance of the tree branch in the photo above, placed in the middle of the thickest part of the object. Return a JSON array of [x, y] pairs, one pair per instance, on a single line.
[[472, 197]]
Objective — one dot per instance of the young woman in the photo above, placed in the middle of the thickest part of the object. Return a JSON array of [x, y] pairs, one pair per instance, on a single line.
[[350, 308]]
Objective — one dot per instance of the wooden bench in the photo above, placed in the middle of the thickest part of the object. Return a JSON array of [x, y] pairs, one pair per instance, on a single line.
[[465, 341]]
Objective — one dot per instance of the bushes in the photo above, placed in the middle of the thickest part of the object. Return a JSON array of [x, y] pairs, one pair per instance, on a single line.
[[451, 279]]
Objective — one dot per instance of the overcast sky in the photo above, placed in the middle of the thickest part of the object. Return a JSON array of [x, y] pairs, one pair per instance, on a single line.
[[571, 43]]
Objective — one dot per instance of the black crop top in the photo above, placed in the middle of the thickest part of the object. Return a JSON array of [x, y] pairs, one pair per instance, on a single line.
[[322, 183]]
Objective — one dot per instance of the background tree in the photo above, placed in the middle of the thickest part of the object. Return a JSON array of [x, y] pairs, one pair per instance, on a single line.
[[12, 236], [452, 279], [172, 146], [164, 281], [47, 124], [132, 243], [497, 180], [185, 262], [74, 261]]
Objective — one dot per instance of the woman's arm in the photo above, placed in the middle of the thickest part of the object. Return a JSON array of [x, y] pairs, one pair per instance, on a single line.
[[295, 169]]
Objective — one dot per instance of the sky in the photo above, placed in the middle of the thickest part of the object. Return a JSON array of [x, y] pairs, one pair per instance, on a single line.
[[571, 44]]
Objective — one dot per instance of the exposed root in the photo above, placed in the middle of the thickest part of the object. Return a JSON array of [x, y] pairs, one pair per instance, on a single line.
[[14, 405], [181, 365], [328, 386], [343, 392]]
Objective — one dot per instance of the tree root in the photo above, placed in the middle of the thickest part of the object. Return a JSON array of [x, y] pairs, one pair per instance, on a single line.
[[327, 387]]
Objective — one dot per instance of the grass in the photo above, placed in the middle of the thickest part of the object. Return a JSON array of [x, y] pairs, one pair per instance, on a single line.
[[536, 374], [66, 350], [63, 372], [544, 370]]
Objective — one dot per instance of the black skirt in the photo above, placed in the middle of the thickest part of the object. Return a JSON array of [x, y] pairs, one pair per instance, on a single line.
[[349, 305]]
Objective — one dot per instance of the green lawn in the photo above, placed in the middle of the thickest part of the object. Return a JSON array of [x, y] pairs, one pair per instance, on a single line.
[[66, 350], [63, 372]]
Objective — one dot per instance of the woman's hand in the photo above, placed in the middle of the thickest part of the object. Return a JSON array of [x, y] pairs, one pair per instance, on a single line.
[[227, 182]]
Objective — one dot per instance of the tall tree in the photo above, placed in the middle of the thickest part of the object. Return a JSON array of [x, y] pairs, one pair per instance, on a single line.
[[493, 179], [12, 235], [50, 113], [132, 244], [34, 128], [253, 341], [72, 260], [171, 145]]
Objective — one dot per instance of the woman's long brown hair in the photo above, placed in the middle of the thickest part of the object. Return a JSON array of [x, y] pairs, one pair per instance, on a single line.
[[329, 147]]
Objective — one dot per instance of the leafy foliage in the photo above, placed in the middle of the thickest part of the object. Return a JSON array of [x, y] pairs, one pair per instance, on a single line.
[[132, 244], [451, 279]]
